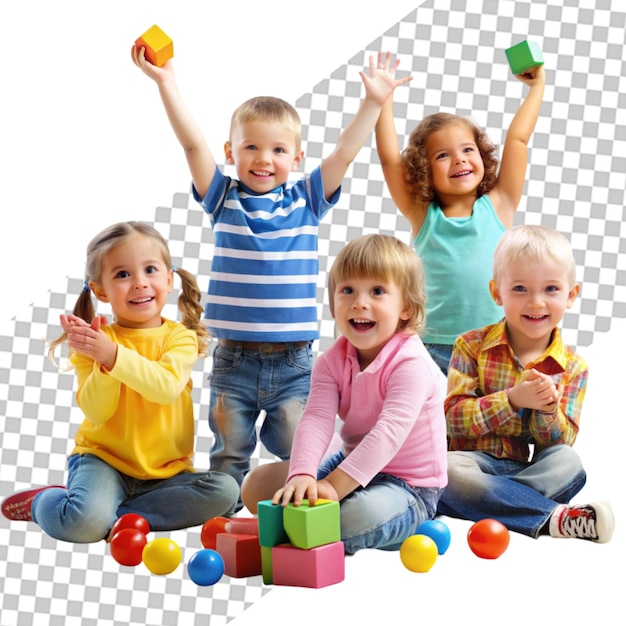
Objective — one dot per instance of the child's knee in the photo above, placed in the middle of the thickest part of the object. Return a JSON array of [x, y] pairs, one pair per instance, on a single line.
[[464, 474], [262, 482]]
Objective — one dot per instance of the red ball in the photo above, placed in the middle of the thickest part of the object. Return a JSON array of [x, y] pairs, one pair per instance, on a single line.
[[211, 529], [127, 546], [488, 538], [130, 520]]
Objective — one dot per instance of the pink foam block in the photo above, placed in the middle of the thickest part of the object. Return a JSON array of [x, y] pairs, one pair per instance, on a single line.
[[317, 567], [242, 525], [241, 554]]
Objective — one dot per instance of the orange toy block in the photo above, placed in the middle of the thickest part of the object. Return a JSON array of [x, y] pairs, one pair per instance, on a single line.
[[159, 47], [241, 554]]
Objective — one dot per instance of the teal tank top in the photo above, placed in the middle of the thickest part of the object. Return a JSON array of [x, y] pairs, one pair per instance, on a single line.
[[457, 254]]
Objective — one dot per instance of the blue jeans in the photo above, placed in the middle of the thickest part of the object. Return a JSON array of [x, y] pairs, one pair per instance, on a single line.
[[97, 494], [441, 354], [246, 382], [521, 495], [382, 514]]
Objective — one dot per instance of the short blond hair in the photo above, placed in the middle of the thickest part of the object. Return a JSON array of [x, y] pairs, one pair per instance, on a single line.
[[385, 258], [268, 109], [536, 243]]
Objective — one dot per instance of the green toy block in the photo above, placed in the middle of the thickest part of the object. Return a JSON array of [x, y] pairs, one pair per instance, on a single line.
[[311, 526], [266, 565], [271, 529], [523, 56]]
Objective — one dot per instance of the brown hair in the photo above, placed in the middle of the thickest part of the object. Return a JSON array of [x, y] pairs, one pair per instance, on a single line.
[[417, 166], [383, 257], [116, 235]]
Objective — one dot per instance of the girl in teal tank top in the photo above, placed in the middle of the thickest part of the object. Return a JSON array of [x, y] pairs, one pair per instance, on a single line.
[[459, 199]]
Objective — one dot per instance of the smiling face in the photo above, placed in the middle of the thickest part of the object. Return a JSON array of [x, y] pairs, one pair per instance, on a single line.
[[534, 294], [456, 163], [264, 154], [135, 280], [368, 313]]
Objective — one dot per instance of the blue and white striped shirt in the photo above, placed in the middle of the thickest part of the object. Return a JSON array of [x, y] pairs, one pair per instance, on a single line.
[[263, 284]]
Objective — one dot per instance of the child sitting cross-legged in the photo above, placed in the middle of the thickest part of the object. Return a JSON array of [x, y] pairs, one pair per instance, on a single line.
[[388, 393], [513, 385]]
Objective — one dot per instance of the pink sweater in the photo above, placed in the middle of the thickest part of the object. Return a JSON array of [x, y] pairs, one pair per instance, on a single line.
[[392, 414]]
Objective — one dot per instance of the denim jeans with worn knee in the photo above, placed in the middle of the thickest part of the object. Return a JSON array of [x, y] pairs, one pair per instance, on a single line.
[[383, 513], [244, 383], [97, 494], [521, 495]]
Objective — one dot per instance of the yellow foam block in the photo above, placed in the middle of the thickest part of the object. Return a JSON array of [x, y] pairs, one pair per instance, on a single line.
[[159, 47]]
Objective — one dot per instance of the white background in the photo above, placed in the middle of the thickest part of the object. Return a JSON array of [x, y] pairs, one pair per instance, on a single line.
[[84, 143]]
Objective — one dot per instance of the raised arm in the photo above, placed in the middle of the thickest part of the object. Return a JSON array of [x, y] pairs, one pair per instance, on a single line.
[[391, 163], [508, 189], [201, 162], [379, 86]]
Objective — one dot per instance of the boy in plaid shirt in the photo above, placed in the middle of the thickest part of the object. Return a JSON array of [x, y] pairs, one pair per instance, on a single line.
[[515, 384]]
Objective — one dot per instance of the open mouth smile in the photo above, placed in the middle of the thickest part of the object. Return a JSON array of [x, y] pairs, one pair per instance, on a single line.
[[361, 324]]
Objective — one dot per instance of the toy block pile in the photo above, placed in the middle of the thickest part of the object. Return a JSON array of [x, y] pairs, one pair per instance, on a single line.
[[294, 545]]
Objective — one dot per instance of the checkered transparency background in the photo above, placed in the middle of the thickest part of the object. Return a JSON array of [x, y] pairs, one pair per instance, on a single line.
[[576, 182]]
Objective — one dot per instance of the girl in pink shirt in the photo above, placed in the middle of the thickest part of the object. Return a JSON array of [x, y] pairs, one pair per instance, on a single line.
[[388, 393]]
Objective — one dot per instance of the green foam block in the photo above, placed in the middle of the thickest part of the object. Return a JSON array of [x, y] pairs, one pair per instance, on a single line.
[[312, 526], [523, 56]]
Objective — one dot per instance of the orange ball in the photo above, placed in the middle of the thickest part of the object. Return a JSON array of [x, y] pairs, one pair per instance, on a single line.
[[210, 530], [488, 538]]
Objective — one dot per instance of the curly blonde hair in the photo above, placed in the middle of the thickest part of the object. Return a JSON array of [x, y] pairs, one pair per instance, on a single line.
[[417, 166], [116, 235]]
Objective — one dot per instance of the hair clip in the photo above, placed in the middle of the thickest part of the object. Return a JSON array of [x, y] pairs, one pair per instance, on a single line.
[[86, 286]]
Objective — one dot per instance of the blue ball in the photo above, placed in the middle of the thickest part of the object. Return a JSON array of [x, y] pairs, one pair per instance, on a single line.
[[437, 531], [205, 567]]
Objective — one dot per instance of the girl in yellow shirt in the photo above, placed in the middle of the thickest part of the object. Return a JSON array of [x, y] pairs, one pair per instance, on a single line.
[[134, 448]]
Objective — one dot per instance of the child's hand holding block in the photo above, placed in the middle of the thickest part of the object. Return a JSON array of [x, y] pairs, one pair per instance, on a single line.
[[523, 56], [159, 47], [270, 522], [311, 526]]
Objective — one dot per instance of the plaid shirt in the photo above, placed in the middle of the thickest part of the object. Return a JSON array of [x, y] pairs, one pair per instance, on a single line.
[[478, 413]]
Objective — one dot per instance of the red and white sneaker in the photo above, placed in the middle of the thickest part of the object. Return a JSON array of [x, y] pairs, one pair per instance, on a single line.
[[593, 521], [17, 507]]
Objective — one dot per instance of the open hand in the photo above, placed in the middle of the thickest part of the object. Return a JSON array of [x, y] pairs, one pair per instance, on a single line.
[[380, 83]]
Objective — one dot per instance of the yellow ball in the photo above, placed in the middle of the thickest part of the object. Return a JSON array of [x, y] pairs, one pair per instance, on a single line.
[[162, 556], [418, 553]]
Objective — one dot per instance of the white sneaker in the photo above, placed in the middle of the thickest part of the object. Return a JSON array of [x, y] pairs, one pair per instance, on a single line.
[[593, 521]]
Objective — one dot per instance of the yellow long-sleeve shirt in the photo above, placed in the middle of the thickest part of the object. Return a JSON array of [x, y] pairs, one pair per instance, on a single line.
[[139, 415]]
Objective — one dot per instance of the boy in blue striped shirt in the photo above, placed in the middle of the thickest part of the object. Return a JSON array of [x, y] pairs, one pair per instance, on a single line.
[[262, 305]]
